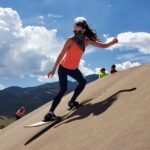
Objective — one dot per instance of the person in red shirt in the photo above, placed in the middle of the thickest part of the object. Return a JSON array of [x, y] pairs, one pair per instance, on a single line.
[[113, 69], [68, 62], [20, 113]]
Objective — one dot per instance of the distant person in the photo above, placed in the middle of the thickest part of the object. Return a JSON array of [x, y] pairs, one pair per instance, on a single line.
[[68, 62], [103, 73], [113, 69], [20, 113]]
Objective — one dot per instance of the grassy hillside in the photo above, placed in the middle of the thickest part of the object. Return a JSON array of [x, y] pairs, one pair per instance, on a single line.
[[5, 121]]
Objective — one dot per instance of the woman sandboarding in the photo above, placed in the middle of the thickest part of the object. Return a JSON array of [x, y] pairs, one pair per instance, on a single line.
[[68, 63]]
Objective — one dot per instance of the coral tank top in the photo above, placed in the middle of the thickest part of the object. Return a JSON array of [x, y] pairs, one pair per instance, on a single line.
[[72, 57]]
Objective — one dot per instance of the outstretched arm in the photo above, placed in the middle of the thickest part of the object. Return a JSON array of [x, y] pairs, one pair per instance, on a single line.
[[67, 45], [102, 45]]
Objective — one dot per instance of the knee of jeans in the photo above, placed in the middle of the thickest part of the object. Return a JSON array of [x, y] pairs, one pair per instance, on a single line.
[[63, 90], [83, 82]]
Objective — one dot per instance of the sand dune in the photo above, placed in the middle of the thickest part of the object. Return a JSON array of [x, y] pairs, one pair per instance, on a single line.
[[115, 116]]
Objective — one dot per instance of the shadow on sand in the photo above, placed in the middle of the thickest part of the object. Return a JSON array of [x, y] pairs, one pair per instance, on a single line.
[[82, 112]]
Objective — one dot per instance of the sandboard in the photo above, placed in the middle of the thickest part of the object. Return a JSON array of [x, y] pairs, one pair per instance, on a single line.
[[41, 123]]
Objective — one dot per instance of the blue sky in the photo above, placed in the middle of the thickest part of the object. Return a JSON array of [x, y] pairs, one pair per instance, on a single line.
[[108, 17]]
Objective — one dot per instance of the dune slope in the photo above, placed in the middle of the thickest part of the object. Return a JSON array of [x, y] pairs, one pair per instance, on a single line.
[[114, 116]]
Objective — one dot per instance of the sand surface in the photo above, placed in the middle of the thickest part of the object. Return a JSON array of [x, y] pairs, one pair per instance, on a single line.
[[115, 116]]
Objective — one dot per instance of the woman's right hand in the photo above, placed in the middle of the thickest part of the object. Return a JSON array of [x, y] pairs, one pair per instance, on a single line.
[[51, 73], [115, 41]]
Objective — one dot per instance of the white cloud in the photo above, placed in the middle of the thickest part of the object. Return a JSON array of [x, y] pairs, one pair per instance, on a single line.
[[54, 15], [109, 5], [41, 20], [121, 66], [26, 51], [44, 78], [48, 19], [84, 69], [134, 57], [126, 65], [97, 70], [79, 19], [41, 17], [133, 40], [2, 87], [90, 49], [128, 56]]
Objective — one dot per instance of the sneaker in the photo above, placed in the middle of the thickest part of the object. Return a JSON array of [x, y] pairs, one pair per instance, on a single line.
[[73, 104], [50, 116]]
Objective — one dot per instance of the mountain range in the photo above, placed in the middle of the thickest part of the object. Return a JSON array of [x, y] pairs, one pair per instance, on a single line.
[[12, 98]]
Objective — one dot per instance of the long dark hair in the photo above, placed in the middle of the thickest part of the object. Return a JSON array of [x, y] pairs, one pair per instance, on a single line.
[[89, 33]]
